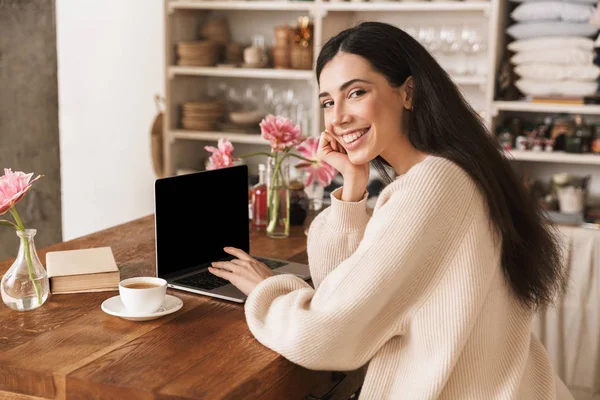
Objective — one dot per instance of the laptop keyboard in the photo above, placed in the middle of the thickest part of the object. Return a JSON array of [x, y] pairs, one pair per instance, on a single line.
[[203, 280], [207, 281], [272, 264]]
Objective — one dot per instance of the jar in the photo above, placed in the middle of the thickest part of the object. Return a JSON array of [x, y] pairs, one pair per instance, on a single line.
[[298, 203], [561, 130], [506, 140], [596, 138], [522, 143]]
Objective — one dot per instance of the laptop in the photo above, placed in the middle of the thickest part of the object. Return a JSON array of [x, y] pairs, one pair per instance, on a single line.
[[198, 214]]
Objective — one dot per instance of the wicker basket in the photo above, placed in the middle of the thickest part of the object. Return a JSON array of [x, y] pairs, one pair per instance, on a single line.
[[281, 57], [301, 57], [283, 36], [200, 53]]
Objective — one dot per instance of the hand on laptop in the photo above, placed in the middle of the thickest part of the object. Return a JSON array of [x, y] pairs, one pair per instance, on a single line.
[[244, 272]]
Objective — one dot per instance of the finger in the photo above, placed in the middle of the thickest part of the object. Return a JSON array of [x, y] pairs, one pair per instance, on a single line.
[[242, 263], [241, 254], [325, 142], [334, 145], [226, 265], [221, 273]]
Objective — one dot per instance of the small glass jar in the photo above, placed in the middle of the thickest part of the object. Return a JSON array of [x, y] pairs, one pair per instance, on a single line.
[[298, 203]]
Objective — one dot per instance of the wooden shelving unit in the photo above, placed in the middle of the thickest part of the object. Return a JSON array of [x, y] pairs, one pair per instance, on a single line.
[[247, 138], [328, 18], [283, 5], [409, 6], [258, 73], [524, 106]]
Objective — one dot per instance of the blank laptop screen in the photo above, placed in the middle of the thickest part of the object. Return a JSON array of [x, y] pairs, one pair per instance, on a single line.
[[199, 214]]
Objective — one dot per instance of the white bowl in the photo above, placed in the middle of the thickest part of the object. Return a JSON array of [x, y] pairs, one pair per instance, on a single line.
[[246, 117]]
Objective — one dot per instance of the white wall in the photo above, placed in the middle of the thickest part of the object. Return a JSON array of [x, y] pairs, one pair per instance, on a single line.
[[110, 64]]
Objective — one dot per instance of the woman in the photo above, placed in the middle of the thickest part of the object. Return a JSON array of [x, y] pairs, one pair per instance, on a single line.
[[437, 289]]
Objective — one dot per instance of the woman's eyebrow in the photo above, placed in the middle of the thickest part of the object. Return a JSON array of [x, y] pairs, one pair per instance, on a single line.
[[344, 85]]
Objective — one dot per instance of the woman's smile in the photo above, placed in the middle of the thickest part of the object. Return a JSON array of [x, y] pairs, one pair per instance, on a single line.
[[354, 138]]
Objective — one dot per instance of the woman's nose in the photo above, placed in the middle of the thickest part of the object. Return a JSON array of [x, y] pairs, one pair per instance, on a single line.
[[340, 116]]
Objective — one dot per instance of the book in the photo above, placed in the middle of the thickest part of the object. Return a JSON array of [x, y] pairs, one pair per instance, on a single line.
[[558, 100], [86, 270]]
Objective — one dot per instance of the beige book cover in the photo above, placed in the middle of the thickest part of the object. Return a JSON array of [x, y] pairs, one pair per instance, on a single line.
[[80, 262]]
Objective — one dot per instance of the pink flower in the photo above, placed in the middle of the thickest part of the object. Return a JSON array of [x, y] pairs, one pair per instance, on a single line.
[[323, 171], [281, 132], [13, 186], [222, 156]]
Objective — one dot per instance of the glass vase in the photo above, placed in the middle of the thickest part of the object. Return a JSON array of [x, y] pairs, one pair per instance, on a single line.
[[25, 285], [278, 198]]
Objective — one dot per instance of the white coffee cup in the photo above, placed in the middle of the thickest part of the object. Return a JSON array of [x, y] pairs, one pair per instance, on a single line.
[[143, 295]]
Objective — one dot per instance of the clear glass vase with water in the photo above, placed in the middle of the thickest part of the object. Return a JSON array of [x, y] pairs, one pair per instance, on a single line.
[[278, 198], [25, 285]]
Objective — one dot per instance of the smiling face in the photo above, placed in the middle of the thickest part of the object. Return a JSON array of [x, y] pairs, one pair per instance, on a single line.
[[362, 110]]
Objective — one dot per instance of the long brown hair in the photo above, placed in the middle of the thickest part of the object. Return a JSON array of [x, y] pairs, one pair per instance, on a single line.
[[445, 125]]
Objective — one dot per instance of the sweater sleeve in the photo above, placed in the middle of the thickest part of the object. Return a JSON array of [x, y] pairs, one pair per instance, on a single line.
[[335, 234], [368, 298]]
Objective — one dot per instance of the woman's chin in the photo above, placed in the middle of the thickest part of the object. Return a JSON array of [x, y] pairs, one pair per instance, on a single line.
[[359, 158]]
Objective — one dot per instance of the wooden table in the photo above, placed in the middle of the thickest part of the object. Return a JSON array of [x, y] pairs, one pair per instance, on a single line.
[[69, 348]]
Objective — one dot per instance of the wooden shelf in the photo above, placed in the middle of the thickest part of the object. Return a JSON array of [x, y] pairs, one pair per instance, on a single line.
[[469, 80], [261, 73], [311, 6], [525, 106], [249, 138], [409, 6], [555, 157], [241, 5]]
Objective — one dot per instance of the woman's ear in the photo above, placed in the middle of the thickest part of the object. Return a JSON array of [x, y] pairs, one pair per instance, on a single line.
[[408, 93]]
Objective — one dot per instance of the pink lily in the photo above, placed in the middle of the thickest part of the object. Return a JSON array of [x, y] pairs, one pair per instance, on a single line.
[[13, 186], [281, 132], [222, 155], [323, 172]]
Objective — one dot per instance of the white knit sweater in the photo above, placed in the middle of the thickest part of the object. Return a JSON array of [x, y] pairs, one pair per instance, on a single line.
[[416, 291]]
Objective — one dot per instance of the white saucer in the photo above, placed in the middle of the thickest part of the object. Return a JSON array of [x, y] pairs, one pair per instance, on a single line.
[[114, 306]]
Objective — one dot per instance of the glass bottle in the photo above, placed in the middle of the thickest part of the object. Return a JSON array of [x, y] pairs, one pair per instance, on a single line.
[[546, 128], [561, 130], [25, 285], [596, 140], [584, 132], [259, 198], [575, 141]]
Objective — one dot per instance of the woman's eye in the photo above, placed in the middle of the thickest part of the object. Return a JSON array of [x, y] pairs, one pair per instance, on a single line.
[[357, 93], [326, 104]]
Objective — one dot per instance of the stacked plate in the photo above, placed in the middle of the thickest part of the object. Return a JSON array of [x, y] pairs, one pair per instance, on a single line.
[[201, 115], [199, 53]]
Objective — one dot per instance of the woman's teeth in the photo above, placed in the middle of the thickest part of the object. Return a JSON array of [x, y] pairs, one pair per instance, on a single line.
[[351, 137]]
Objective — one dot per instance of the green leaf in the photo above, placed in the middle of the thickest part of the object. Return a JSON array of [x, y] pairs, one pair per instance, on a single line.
[[7, 223]]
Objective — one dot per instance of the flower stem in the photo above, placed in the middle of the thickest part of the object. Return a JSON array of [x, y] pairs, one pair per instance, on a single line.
[[260, 153], [274, 197], [25, 240], [287, 199], [300, 157]]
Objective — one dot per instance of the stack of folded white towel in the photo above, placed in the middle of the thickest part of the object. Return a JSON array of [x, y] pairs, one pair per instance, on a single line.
[[553, 46]]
